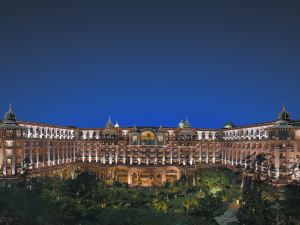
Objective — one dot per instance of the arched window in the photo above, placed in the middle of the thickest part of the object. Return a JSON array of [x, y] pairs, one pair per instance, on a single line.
[[148, 138]]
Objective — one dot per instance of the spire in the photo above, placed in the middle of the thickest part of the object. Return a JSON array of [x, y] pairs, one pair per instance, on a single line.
[[109, 124], [187, 123], [284, 114], [10, 116], [134, 127], [160, 128]]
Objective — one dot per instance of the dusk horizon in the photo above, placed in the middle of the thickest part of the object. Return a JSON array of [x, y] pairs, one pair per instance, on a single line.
[[149, 63]]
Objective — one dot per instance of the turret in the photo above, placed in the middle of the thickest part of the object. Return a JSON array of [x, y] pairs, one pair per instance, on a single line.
[[229, 125], [109, 124], [11, 153]]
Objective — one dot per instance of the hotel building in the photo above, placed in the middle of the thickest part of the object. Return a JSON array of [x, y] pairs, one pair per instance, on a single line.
[[149, 155]]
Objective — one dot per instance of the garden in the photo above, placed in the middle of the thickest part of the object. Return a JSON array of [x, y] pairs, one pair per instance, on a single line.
[[191, 200]]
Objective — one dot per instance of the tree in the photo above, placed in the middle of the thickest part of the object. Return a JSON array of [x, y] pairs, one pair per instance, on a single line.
[[161, 206], [187, 203]]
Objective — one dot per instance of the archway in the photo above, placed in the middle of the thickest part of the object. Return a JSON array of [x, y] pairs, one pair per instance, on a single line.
[[122, 176], [134, 179], [148, 138]]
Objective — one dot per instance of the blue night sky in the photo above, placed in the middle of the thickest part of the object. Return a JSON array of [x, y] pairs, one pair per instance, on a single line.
[[149, 62]]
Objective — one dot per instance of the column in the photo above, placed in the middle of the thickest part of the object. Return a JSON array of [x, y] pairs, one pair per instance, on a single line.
[[214, 154], [74, 151], [48, 153], [200, 154], [37, 154], [97, 147], [171, 154], [53, 152], [89, 146], [30, 152], [222, 157], [104, 154], [130, 155], [164, 156], [124, 155], [82, 150], [58, 153], [129, 178], [110, 156], [277, 161], [147, 156], [63, 152], [116, 155], [241, 156], [163, 176]]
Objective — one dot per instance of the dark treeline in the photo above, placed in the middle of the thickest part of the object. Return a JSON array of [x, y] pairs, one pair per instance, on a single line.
[[86, 200]]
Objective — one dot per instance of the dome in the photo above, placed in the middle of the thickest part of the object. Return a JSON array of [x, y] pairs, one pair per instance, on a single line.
[[181, 124], [10, 116], [229, 125], [117, 125], [284, 115]]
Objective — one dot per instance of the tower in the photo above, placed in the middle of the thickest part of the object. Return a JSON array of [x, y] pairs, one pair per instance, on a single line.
[[11, 151]]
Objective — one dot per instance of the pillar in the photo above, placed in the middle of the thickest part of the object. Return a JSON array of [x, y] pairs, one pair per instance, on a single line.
[[277, 161], [48, 153], [214, 155]]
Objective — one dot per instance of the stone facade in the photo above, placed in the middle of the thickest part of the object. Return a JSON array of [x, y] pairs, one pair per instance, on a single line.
[[149, 155]]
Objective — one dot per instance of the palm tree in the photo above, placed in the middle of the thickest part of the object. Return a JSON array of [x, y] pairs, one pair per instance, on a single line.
[[163, 206], [187, 204], [200, 194]]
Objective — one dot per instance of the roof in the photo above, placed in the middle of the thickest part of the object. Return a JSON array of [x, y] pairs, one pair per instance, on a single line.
[[295, 122]]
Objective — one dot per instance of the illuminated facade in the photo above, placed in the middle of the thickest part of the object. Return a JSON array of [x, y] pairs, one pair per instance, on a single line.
[[149, 155]]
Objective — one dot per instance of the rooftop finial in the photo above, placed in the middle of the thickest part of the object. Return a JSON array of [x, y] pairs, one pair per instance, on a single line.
[[109, 124], [187, 123], [10, 115], [284, 114], [283, 107]]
